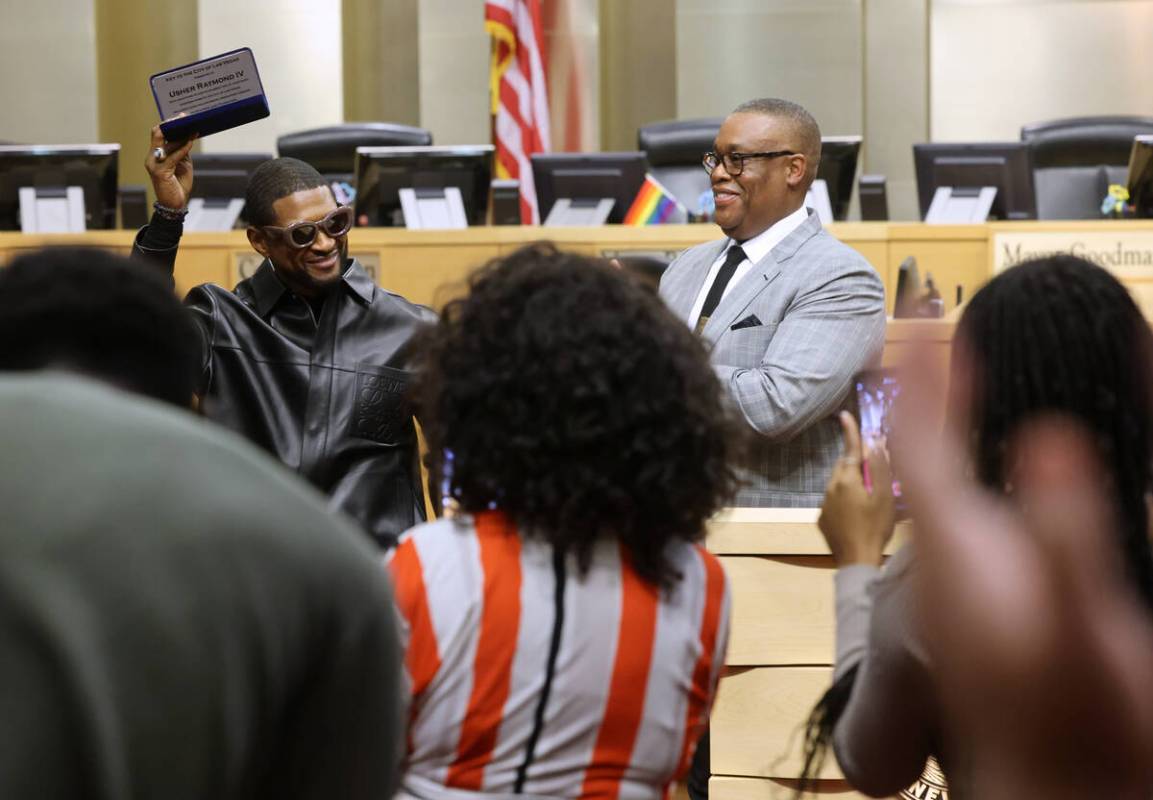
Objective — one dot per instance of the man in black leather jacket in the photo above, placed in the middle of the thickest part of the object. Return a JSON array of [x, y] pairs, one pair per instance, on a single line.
[[308, 358]]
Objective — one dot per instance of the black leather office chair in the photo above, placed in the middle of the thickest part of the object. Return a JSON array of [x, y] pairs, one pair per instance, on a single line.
[[332, 150], [1075, 160], [674, 150]]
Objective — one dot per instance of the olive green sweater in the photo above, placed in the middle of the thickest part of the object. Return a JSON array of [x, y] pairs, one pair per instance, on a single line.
[[179, 616]]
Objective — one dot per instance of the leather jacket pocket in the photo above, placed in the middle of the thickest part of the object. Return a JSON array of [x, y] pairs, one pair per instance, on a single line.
[[382, 412]]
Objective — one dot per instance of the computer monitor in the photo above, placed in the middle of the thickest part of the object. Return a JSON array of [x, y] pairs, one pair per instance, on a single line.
[[381, 172], [92, 167], [838, 169], [1006, 166], [1141, 175], [589, 176], [220, 178]]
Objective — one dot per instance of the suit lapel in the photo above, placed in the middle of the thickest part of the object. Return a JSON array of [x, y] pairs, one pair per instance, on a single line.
[[684, 297], [758, 278], [803, 232]]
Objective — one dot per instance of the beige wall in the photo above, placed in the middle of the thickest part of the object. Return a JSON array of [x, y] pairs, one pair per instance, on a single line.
[[999, 64], [381, 61], [304, 80], [136, 39], [454, 62], [638, 81], [48, 60], [860, 66], [572, 39], [896, 97], [729, 51]]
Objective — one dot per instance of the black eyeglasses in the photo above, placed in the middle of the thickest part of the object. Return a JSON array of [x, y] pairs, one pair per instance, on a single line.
[[735, 162], [300, 235]]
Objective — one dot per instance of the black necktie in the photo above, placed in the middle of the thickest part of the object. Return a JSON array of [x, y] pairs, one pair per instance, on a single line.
[[735, 256]]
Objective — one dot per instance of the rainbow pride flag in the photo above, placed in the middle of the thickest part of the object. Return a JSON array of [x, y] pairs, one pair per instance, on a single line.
[[653, 205]]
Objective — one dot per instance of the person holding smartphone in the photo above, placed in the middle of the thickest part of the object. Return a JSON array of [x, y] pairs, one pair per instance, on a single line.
[[1057, 335]]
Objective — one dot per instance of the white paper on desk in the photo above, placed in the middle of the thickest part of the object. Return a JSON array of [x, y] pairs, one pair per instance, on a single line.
[[56, 214]]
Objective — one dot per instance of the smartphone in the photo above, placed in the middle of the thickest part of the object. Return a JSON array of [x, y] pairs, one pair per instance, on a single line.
[[876, 392]]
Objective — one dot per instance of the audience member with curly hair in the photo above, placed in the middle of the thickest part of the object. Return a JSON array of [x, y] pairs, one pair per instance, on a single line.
[[565, 630]]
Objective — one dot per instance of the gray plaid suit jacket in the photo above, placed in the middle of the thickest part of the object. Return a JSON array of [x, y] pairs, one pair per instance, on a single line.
[[807, 317]]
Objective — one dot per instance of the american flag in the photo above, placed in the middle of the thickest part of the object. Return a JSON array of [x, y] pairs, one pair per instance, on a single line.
[[519, 94]]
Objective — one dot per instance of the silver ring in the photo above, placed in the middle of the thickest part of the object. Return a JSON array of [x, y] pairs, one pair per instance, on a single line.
[[158, 153]]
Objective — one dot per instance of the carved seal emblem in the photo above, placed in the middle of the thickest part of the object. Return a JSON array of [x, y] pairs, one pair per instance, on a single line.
[[931, 785]]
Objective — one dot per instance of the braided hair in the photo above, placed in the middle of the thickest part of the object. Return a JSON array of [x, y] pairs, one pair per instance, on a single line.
[[1062, 335], [1051, 335]]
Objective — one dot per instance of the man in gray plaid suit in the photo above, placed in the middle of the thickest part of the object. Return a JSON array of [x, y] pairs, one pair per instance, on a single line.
[[789, 312]]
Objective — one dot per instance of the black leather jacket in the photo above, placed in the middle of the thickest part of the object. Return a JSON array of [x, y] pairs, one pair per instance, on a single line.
[[327, 396]]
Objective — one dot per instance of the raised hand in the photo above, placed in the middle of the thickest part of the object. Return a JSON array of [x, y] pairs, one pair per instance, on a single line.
[[1042, 653], [171, 175]]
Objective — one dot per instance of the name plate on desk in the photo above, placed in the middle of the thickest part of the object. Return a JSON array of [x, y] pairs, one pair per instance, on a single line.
[[209, 96], [1125, 253]]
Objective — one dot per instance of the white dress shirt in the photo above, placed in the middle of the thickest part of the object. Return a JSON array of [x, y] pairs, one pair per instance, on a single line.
[[755, 249]]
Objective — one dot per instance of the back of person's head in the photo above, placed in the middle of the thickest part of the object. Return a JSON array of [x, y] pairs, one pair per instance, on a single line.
[[272, 180], [1061, 335], [96, 313], [568, 397], [646, 269]]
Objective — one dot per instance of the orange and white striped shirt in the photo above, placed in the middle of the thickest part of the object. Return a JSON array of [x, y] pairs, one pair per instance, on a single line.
[[528, 678]]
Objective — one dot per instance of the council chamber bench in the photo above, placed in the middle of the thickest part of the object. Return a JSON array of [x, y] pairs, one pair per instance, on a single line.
[[430, 267]]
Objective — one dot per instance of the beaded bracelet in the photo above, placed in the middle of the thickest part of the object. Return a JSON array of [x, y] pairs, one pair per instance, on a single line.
[[172, 214]]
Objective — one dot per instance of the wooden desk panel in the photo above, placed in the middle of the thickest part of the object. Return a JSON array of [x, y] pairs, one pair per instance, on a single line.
[[429, 267], [431, 274], [209, 258], [766, 531], [782, 610], [781, 575], [417, 263], [757, 727], [723, 787], [953, 254], [17, 244], [780, 651]]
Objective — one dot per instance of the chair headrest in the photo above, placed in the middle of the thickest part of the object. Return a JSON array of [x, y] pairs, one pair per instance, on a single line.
[[1084, 141], [678, 142], [333, 149]]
